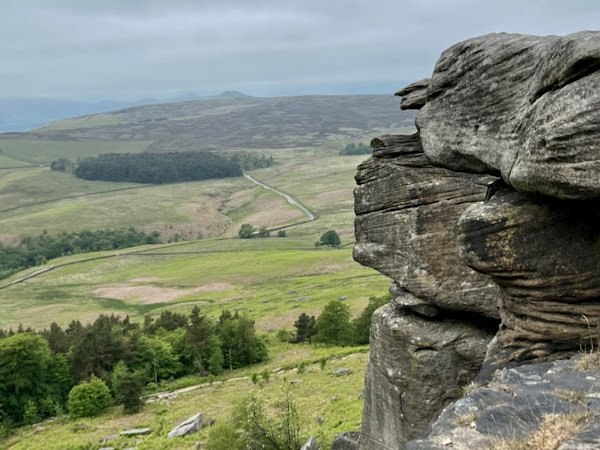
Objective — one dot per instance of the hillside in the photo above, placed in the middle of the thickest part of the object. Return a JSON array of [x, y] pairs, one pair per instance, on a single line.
[[233, 122]]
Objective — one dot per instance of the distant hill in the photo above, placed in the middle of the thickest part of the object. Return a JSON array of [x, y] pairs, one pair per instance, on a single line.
[[233, 120], [22, 114]]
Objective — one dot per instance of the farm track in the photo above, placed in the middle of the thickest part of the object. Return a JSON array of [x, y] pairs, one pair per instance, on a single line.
[[147, 252]]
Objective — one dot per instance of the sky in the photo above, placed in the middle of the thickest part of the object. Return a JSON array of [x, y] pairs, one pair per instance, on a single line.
[[131, 49]]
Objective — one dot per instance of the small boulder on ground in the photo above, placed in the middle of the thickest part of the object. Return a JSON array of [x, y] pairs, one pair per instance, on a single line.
[[135, 432], [311, 444], [190, 426], [341, 371]]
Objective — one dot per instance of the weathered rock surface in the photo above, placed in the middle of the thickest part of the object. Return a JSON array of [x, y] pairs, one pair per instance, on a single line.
[[405, 226], [417, 366], [190, 426], [135, 432], [346, 441], [310, 444], [514, 404], [414, 95], [544, 254], [525, 107]]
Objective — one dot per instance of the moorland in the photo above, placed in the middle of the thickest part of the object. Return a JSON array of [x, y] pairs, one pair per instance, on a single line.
[[201, 261]]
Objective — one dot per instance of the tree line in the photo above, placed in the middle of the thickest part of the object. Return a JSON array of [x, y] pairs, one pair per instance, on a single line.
[[334, 326], [35, 250], [84, 368], [156, 168]]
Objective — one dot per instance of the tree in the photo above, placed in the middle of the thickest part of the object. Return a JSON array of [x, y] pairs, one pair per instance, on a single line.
[[128, 387], [281, 233], [239, 343], [246, 231], [305, 328], [333, 325], [88, 399], [25, 375], [362, 324], [158, 358], [198, 333], [263, 232], [216, 361], [330, 239]]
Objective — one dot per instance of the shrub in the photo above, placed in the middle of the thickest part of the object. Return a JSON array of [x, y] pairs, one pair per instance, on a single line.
[[246, 231], [281, 233], [329, 239], [88, 399]]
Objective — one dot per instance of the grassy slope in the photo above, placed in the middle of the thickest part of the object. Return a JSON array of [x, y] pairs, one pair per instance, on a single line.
[[335, 399], [274, 279]]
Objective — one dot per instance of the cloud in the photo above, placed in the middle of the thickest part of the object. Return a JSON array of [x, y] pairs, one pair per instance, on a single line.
[[108, 49]]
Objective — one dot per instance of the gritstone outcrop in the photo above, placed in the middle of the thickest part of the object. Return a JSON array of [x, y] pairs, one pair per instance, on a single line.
[[488, 222]]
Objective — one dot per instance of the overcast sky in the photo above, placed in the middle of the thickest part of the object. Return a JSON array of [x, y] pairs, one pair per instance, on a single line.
[[129, 49]]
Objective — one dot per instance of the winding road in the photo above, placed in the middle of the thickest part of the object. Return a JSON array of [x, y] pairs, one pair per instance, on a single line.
[[288, 197]]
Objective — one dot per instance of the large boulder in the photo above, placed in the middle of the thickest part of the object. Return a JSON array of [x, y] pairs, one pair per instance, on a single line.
[[189, 426], [544, 255], [521, 406], [417, 366], [405, 226], [524, 107]]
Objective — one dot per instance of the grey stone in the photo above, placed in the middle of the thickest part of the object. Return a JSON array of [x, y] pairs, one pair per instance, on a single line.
[[135, 432], [414, 95], [310, 444], [513, 404], [295, 381], [405, 226], [417, 366], [524, 107], [347, 440], [190, 426], [538, 252], [110, 438], [320, 420], [341, 371]]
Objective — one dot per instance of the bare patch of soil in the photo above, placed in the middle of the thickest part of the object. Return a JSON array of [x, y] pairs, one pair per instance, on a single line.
[[146, 295]]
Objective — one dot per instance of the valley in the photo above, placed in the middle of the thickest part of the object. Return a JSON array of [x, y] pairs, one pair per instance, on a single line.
[[201, 261]]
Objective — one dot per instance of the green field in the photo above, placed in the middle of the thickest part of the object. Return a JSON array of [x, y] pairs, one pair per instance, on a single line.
[[48, 151], [272, 279], [273, 283]]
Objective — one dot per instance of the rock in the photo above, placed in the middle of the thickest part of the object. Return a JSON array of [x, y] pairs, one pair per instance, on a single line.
[[334, 398], [311, 444], [405, 227], [320, 420], [523, 107], [341, 371], [414, 95], [212, 422], [135, 432], [538, 251], [295, 381], [417, 366], [345, 441], [513, 406], [190, 426], [109, 438]]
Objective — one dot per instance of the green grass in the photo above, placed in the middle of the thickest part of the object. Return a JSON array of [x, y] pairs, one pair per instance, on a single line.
[[48, 151], [320, 394], [6, 162], [273, 284]]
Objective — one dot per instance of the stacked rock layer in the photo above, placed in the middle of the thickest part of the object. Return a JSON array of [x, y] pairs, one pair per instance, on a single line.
[[463, 250]]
